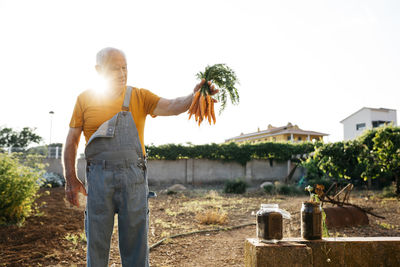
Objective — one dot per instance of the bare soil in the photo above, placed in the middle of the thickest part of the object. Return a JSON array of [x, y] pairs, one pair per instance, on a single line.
[[56, 237]]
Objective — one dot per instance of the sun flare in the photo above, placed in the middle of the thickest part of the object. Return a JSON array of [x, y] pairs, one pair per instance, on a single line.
[[101, 84]]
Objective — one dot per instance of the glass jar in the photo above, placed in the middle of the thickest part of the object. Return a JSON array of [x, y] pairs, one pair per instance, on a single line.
[[311, 220], [269, 223]]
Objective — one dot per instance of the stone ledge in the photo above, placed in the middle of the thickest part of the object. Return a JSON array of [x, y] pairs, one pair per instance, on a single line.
[[343, 251]]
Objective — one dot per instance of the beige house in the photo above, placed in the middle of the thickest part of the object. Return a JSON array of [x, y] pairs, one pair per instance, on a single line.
[[278, 134]]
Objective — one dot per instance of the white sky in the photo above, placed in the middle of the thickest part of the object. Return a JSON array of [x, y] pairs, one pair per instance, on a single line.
[[311, 63]]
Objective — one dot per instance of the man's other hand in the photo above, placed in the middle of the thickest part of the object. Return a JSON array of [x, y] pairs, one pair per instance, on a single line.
[[72, 189]]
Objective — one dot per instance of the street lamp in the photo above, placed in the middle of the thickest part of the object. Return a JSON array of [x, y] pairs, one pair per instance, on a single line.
[[51, 123]]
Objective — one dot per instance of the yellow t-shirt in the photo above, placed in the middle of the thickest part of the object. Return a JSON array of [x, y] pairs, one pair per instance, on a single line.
[[92, 109]]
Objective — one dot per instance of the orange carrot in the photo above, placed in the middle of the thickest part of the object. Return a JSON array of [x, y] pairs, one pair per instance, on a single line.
[[195, 99], [209, 104], [202, 108], [212, 111], [200, 120], [197, 112], [195, 104], [206, 109], [202, 105]]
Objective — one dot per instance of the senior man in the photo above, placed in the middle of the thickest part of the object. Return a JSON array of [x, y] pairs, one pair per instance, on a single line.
[[113, 125]]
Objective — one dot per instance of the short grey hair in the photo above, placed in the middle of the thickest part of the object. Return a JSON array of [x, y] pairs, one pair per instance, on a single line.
[[104, 54]]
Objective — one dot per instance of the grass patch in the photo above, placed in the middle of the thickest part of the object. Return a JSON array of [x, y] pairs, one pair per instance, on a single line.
[[166, 225], [171, 212], [76, 238], [213, 194], [212, 217], [387, 226]]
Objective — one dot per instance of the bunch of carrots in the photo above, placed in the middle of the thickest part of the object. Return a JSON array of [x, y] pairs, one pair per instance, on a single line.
[[225, 79], [202, 107]]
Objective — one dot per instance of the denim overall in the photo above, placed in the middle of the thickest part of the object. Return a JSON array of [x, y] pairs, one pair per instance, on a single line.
[[116, 183]]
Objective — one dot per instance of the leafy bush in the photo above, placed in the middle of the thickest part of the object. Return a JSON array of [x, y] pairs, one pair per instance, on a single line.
[[52, 179], [283, 189], [389, 191], [237, 186], [287, 190], [171, 192], [269, 189], [18, 188]]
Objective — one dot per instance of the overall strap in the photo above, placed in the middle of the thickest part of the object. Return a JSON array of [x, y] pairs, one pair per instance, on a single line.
[[127, 99]]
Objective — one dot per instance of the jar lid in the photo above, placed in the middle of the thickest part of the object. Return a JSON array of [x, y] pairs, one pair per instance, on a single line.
[[269, 206], [266, 208], [311, 204]]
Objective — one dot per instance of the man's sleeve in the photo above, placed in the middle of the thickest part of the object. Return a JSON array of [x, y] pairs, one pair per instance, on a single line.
[[150, 100], [77, 115]]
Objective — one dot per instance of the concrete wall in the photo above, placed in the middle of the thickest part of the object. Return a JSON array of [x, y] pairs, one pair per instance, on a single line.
[[341, 251], [202, 171], [262, 170], [55, 165]]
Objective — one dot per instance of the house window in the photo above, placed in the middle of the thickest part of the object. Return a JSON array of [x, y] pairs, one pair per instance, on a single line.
[[379, 123], [299, 138], [288, 138], [360, 126]]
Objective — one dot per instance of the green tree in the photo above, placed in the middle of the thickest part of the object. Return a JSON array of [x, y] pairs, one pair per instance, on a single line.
[[383, 158], [340, 159], [375, 155], [313, 172], [21, 139]]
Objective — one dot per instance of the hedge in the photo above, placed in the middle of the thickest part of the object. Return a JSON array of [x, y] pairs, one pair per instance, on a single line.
[[241, 153]]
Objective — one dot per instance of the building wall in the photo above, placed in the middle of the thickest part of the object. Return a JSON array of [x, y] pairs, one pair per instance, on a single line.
[[349, 125], [202, 171], [384, 116]]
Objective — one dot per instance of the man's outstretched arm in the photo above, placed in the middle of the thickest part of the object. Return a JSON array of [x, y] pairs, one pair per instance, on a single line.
[[73, 185], [169, 107]]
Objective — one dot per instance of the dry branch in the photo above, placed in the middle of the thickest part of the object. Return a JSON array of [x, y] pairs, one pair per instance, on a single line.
[[198, 232]]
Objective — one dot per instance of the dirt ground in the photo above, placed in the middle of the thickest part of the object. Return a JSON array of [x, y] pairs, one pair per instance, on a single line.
[[56, 237]]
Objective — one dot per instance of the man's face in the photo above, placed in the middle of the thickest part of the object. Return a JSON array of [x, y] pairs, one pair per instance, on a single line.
[[114, 70]]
